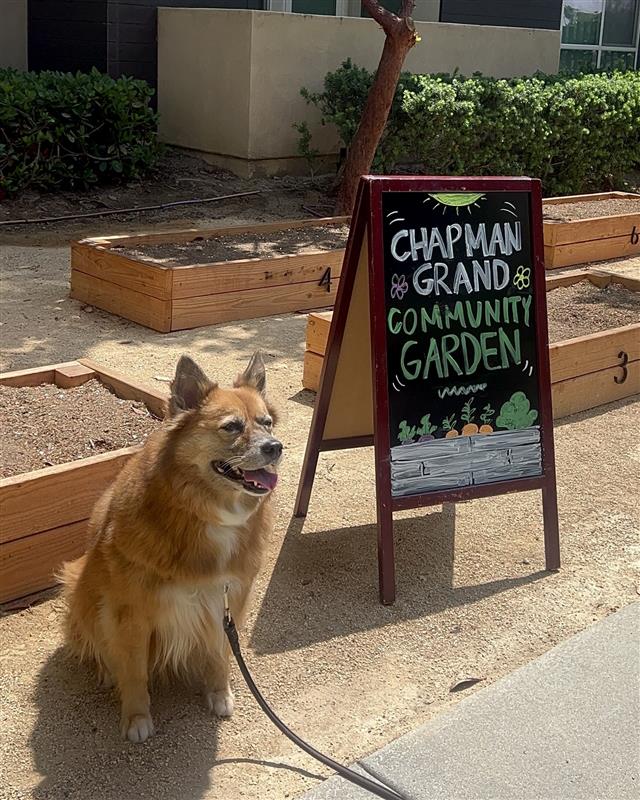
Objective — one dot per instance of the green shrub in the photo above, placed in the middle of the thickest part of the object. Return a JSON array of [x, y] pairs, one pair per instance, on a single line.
[[59, 130], [576, 133]]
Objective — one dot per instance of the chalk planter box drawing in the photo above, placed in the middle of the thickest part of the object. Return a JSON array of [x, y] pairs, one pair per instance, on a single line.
[[176, 280], [575, 234], [45, 512], [586, 371]]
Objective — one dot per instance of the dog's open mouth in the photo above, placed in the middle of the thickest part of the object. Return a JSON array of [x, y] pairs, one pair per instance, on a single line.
[[257, 481]]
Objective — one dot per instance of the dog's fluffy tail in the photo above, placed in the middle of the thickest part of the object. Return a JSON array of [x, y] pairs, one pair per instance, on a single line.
[[76, 632]]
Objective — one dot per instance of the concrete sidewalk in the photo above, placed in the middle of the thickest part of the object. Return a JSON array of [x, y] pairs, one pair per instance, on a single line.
[[566, 726]]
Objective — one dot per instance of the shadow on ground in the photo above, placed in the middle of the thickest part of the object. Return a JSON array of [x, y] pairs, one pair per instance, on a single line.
[[333, 574], [78, 751]]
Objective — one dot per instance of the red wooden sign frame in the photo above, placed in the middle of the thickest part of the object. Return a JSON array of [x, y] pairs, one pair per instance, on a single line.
[[367, 219]]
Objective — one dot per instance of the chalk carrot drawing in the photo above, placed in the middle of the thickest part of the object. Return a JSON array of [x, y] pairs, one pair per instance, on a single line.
[[485, 418], [449, 426], [516, 413], [426, 429], [468, 415]]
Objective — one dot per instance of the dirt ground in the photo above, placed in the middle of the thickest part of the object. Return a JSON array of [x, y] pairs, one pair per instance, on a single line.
[[566, 212], [45, 425], [341, 670], [247, 245]]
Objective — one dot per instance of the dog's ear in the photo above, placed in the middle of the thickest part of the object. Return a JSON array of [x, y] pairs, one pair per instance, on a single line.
[[189, 387], [254, 375]]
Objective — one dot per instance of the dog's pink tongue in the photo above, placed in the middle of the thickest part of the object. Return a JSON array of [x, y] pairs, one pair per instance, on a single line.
[[263, 478]]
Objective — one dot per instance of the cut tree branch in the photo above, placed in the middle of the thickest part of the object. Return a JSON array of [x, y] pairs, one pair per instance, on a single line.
[[400, 37]]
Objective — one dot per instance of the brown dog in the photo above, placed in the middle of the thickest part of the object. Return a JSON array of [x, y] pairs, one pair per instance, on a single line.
[[189, 514]]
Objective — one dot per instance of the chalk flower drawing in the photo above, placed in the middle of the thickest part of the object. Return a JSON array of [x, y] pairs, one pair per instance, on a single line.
[[522, 278], [399, 287]]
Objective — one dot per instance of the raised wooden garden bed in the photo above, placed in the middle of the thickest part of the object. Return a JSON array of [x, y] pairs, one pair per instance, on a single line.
[[578, 235], [586, 371], [44, 513], [144, 278]]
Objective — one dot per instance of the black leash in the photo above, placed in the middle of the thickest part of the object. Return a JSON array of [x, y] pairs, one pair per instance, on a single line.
[[383, 791]]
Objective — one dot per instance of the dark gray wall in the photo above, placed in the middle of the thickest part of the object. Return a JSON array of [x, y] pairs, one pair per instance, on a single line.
[[116, 36], [512, 13], [67, 35]]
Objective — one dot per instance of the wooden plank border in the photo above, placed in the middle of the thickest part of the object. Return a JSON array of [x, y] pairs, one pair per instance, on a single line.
[[187, 296], [44, 513], [594, 239]]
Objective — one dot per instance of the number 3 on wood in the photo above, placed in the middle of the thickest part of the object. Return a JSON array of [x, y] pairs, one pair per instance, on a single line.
[[325, 280]]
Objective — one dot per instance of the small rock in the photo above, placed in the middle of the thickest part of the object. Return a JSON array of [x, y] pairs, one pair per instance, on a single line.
[[88, 309]]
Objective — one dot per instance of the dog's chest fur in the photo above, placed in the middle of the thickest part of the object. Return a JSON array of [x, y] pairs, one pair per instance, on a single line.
[[190, 616]]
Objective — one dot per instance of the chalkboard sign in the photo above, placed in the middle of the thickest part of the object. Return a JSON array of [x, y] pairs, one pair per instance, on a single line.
[[438, 350], [461, 339]]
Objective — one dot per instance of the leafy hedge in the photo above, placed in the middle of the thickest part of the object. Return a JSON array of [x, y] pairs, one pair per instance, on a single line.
[[59, 130], [576, 133]]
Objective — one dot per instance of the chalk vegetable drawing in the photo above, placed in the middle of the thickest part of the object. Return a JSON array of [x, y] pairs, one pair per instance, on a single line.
[[449, 425], [406, 434], [468, 415], [517, 413], [485, 418], [426, 429]]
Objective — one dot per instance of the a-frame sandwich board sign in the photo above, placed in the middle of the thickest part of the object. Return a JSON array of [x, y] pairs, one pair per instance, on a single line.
[[438, 350]]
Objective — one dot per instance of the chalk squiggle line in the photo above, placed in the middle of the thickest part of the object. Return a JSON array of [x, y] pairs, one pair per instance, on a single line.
[[450, 391]]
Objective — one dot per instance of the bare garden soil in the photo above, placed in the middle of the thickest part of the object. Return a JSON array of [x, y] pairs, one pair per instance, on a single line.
[[45, 425], [584, 308], [589, 209], [295, 241]]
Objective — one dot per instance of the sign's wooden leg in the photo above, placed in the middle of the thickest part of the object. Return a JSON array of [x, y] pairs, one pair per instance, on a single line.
[[306, 481], [551, 529], [386, 558]]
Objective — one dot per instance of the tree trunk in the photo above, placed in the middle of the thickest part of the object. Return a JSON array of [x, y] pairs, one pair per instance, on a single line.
[[400, 38]]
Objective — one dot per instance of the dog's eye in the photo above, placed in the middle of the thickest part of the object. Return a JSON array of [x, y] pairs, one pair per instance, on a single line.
[[265, 422], [233, 426]]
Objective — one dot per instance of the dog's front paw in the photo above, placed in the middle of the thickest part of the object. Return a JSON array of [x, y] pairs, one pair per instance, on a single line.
[[221, 703], [137, 728]]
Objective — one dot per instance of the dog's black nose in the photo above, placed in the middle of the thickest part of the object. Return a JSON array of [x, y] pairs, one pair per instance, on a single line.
[[272, 448]]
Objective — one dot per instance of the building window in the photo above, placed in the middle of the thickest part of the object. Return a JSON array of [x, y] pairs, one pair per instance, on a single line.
[[599, 33]]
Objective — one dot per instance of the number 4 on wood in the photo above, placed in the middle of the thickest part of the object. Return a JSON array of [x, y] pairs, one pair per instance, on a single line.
[[325, 280]]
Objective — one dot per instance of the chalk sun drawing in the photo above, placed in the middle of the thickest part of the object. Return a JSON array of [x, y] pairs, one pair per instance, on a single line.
[[456, 200], [456, 391], [509, 211]]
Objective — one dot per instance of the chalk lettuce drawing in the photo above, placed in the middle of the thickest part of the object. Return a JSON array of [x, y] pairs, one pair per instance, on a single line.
[[516, 413]]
